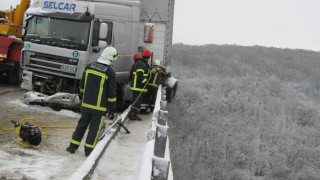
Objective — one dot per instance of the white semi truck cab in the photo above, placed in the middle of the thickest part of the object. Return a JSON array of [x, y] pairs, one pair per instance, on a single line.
[[63, 36]]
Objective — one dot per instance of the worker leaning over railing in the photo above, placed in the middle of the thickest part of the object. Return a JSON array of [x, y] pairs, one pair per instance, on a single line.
[[150, 97], [98, 91]]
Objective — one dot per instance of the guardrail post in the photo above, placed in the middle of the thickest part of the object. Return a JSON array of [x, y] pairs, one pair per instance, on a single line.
[[160, 164], [163, 117], [163, 105], [160, 141], [163, 95], [160, 168]]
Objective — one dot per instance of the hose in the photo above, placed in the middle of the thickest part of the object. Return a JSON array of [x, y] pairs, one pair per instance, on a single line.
[[6, 129], [69, 127], [131, 105], [44, 130]]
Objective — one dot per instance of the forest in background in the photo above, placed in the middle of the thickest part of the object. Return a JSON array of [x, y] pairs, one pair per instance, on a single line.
[[245, 113]]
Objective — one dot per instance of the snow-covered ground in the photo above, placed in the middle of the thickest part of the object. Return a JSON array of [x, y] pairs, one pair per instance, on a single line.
[[49, 160], [121, 160]]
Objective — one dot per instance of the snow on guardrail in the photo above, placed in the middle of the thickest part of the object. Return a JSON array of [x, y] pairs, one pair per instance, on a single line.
[[156, 163]]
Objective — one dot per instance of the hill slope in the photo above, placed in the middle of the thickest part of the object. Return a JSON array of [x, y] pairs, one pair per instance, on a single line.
[[245, 113]]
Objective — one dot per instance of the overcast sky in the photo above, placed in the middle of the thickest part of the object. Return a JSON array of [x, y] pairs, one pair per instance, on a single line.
[[278, 23]]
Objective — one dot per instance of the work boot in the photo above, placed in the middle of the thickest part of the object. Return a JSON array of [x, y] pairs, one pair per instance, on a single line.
[[71, 150], [144, 111], [87, 151], [134, 117]]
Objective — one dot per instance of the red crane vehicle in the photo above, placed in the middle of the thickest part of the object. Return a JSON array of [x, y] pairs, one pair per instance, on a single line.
[[11, 42]]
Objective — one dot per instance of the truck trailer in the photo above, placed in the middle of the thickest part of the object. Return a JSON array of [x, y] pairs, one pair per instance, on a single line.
[[63, 36]]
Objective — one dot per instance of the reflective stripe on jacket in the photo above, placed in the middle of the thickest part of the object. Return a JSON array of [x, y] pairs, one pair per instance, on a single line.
[[155, 78], [140, 76]]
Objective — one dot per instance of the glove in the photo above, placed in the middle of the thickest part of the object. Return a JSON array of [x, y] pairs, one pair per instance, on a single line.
[[112, 114]]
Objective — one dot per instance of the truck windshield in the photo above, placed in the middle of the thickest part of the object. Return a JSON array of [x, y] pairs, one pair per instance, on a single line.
[[58, 32]]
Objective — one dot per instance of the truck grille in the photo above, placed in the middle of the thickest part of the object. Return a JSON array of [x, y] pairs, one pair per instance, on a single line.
[[51, 63]]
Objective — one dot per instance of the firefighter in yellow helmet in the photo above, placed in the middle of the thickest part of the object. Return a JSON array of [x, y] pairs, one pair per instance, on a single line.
[[98, 93]]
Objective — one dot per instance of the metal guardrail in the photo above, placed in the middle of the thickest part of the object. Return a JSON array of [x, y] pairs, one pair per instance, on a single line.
[[156, 158], [156, 152]]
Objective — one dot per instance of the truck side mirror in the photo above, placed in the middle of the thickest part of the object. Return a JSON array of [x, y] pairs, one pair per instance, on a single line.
[[101, 41], [96, 49], [103, 34], [102, 44], [103, 31]]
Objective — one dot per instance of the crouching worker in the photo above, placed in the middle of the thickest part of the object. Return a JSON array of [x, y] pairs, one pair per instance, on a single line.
[[98, 89]]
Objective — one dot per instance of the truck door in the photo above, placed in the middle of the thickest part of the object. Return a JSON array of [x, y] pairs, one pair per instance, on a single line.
[[119, 36]]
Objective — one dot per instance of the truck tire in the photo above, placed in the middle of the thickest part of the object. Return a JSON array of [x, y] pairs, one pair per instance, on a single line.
[[171, 92], [4, 78], [15, 74]]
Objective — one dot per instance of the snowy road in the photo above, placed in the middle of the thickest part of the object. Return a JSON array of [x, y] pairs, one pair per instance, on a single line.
[[49, 160]]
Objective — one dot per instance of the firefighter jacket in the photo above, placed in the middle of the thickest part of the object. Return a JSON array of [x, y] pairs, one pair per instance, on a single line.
[[98, 86], [131, 70], [164, 75], [140, 73], [155, 77]]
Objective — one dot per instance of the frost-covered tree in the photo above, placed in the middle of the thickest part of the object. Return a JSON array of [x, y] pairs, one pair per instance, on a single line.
[[245, 113]]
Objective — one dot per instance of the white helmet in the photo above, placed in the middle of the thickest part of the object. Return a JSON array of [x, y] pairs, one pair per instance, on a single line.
[[156, 62], [108, 55]]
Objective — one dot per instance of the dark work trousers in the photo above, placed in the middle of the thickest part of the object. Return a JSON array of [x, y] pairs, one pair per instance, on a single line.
[[95, 121], [152, 90], [145, 101], [136, 106], [149, 99]]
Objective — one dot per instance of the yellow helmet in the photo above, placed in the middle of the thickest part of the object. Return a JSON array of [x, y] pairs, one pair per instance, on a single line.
[[156, 62], [110, 53]]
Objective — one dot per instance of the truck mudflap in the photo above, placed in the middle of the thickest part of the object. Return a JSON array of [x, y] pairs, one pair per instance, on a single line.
[[57, 101]]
